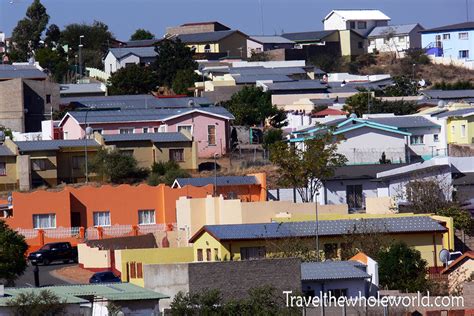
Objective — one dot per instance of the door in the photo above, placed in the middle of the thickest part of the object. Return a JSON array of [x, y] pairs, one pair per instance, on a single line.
[[354, 198]]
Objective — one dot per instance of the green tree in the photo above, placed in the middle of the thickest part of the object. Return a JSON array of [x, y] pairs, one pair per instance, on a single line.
[[53, 60], [307, 165], [402, 86], [251, 106], [96, 41], [425, 196], [166, 172], [26, 35], [184, 79], [173, 56], [142, 34], [461, 218], [12, 254], [37, 304], [134, 79], [117, 167], [272, 136], [53, 35], [402, 268], [458, 85], [358, 104]]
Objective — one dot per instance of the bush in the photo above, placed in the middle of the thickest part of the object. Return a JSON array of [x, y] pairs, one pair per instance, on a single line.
[[272, 136], [166, 172]]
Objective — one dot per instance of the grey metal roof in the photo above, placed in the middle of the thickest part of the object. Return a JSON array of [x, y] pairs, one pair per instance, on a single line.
[[143, 52], [459, 112], [333, 270], [268, 70], [143, 115], [71, 88], [143, 43], [46, 145], [307, 36], [169, 137], [271, 39], [448, 94], [20, 71], [206, 37], [4, 151], [326, 228], [334, 88], [359, 172], [242, 79], [451, 27], [297, 85], [400, 29], [405, 121], [466, 178], [221, 181]]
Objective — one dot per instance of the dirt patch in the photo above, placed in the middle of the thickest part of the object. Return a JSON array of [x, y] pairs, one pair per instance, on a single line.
[[73, 274]]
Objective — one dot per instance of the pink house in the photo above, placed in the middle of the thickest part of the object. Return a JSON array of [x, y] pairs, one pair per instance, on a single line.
[[209, 126]]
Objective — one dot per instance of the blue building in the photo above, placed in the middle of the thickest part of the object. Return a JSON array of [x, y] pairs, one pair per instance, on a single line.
[[454, 41]]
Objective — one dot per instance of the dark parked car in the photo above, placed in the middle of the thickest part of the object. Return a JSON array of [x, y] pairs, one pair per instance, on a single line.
[[104, 277], [58, 251]]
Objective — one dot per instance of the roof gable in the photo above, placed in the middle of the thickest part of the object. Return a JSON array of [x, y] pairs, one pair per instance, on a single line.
[[359, 14], [401, 29]]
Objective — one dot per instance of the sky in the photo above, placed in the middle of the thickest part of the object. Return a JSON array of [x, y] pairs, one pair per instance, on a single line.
[[124, 16]]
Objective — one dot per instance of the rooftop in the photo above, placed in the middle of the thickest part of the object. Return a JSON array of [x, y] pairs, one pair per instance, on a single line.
[[326, 228], [45, 145], [296, 85], [359, 172], [206, 37], [448, 94], [25, 71], [169, 137], [73, 88], [221, 181], [253, 78], [359, 14], [451, 27], [458, 112], [333, 270], [307, 36], [400, 29], [269, 39], [405, 121], [143, 52], [128, 242], [4, 151]]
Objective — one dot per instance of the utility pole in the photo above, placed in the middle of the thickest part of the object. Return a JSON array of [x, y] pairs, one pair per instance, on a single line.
[[215, 174], [80, 55]]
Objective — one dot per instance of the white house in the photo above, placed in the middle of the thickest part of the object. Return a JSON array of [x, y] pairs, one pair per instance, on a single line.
[[360, 21], [118, 58], [395, 38]]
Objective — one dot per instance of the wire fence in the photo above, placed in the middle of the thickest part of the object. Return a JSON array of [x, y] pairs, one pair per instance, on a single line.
[[62, 232]]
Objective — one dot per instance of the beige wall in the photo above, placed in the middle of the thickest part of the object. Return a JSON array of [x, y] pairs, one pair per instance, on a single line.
[[9, 181], [379, 205], [461, 274], [66, 172], [11, 104], [50, 175], [235, 45], [94, 258]]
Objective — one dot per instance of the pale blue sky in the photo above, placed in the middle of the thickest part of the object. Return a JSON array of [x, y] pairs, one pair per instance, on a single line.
[[124, 16]]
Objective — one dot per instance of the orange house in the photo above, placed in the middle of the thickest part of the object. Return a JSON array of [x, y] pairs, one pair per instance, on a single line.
[[107, 205]]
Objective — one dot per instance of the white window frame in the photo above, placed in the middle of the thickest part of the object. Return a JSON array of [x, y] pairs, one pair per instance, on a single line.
[[453, 129], [361, 28], [463, 35], [101, 212], [148, 129], [436, 138], [466, 51], [50, 215], [162, 128], [185, 125], [215, 135], [446, 37], [152, 217], [417, 137], [401, 39], [463, 130], [127, 129]]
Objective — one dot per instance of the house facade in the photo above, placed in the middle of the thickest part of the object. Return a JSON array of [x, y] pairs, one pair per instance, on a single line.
[[395, 38], [259, 44], [453, 41], [118, 58], [360, 21], [226, 43]]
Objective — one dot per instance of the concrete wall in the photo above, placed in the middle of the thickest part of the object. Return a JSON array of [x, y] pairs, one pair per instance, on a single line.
[[461, 274], [335, 191], [353, 287], [93, 258], [11, 105]]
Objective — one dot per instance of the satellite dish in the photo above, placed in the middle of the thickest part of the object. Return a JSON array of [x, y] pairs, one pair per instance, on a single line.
[[422, 83], [441, 104], [89, 130], [444, 256]]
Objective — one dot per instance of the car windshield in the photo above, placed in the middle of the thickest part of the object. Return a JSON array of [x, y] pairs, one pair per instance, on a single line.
[[46, 247]]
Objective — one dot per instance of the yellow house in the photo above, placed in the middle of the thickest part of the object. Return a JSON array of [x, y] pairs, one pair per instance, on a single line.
[[460, 127], [228, 42], [8, 169], [254, 241]]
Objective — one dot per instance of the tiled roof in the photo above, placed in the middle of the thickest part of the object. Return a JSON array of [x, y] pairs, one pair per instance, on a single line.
[[333, 270], [221, 181], [401, 29], [459, 112], [271, 39], [20, 71], [169, 137], [206, 37], [326, 228], [128, 242], [359, 14], [329, 112], [307, 36], [451, 27], [143, 52], [405, 121], [448, 94], [40, 145], [4, 151]]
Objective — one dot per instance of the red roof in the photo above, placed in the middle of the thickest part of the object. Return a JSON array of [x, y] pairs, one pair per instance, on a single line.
[[467, 255], [329, 112]]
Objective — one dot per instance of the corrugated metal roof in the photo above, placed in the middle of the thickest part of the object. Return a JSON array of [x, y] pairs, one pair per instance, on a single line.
[[169, 137], [400, 29], [40, 145], [241, 79], [307, 36], [358, 172], [333, 270], [221, 181], [20, 71], [448, 94], [451, 27], [326, 228], [206, 37], [405, 121], [267, 70], [296, 85], [82, 88], [359, 14], [143, 52], [459, 112], [4, 151], [271, 39]]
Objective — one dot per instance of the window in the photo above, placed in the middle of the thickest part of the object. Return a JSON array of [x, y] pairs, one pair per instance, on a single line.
[[446, 36], [3, 169], [330, 251], [102, 218], [352, 25], [155, 130], [145, 130], [211, 134], [354, 196], [207, 48], [78, 162], [417, 139], [453, 129], [177, 154], [372, 42], [126, 130], [463, 130], [186, 128], [208, 254], [360, 44], [463, 35], [339, 293], [39, 164], [401, 39], [216, 253], [463, 54], [252, 253], [146, 217], [44, 221], [127, 152], [162, 129], [362, 25], [48, 98], [258, 50], [436, 138], [199, 255]]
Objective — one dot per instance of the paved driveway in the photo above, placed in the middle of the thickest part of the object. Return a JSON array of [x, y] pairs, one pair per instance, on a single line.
[[45, 277]]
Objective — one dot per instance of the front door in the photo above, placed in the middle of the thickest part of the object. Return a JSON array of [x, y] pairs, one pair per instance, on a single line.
[[354, 198]]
